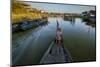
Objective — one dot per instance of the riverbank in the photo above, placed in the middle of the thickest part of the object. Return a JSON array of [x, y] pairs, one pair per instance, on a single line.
[[25, 17], [89, 16], [25, 25]]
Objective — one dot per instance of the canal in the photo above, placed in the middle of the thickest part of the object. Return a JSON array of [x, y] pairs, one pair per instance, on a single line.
[[29, 46]]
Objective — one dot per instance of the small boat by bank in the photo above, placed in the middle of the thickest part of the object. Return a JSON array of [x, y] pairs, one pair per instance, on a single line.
[[25, 25]]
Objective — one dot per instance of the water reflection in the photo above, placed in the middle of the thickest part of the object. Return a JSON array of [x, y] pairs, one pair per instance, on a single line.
[[72, 21], [89, 23], [79, 39]]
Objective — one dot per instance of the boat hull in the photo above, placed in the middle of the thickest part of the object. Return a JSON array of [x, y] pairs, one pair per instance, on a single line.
[[56, 54]]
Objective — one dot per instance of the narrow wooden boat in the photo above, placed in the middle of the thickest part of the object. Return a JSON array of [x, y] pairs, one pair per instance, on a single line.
[[56, 54]]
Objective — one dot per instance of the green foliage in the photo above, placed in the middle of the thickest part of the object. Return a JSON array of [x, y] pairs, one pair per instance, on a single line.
[[22, 10]]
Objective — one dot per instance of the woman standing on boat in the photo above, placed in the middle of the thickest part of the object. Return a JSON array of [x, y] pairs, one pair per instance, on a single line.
[[58, 35]]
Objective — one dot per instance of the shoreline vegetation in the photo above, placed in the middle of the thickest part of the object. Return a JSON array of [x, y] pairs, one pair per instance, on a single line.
[[21, 11], [24, 16]]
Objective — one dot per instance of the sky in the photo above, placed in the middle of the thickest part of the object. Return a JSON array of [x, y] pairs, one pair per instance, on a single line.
[[66, 8]]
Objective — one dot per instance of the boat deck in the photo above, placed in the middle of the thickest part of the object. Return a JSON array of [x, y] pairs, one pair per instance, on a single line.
[[55, 54]]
